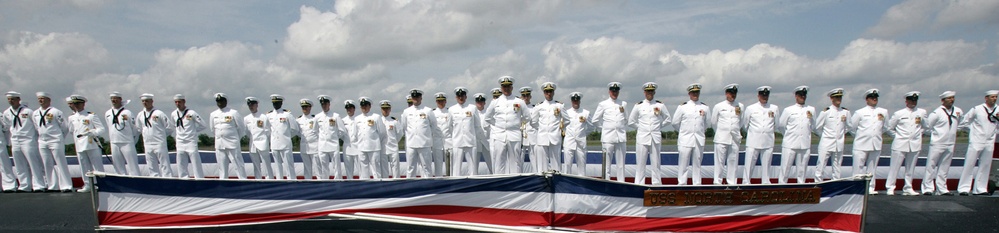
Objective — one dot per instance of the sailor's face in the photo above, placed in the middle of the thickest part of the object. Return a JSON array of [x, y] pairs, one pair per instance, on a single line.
[[14, 101]]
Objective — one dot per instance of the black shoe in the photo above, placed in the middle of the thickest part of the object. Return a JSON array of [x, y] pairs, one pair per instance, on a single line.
[[964, 194], [8, 191], [66, 190], [948, 194], [982, 194], [38, 191], [927, 194]]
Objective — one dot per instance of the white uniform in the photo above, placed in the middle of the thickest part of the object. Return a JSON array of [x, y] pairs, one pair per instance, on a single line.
[[691, 120], [906, 126], [797, 123], [530, 143], [187, 125], [420, 127], [466, 132], [482, 147], [943, 124], [649, 118], [574, 143], [258, 129], [123, 134], [392, 136], [283, 127], [331, 131], [308, 144], [868, 124], [726, 119], [549, 119], [350, 151], [368, 133], [760, 122], [983, 123], [85, 127], [228, 130], [7, 179], [506, 115], [28, 165], [831, 125], [52, 130], [612, 121], [155, 126], [442, 146]]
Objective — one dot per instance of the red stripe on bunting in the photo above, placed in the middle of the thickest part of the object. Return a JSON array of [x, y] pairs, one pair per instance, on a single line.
[[823, 220]]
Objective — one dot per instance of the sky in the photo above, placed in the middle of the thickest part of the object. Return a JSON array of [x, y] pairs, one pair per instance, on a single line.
[[382, 49]]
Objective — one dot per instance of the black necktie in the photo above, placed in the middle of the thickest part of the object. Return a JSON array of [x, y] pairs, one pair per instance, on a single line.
[[180, 118], [950, 117], [992, 114], [150, 115], [17, 116], [41, 118]]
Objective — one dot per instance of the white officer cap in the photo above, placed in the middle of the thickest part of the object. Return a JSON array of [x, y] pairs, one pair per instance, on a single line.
[[763, 90], [305, 102], [277, 98], [69, 100], [992, 92], [460, 91], [914, 95], [873, 92], [548, 86], [650, 86], [947, 94], [440, 96], [835, 92], [575, 96], [42, 94], [178, 97], [78, 99], [146, 96], [221, 96], [364, 101], [409, 99], [348, 103], [801, 89], [324, 98], [525, 90], [694, 87], [13, 94], [251, 99], [496, 92], [385, 104], [506, 80], [415, 92], [479, 97], [614, 86], [734, 88], [115, 94]]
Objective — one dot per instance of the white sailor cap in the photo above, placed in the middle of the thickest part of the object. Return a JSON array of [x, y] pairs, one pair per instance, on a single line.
[[835, 92], [115, 94], [525, 90], [947, 94], [496, 92], [734, 88], [324, 99], [479, 97], [506, 80], [992, 92], [364, 101], [78, 99], [440, 96], [614, 86], [548, 86], [460, 91], [694, 87], [575, 96], [409, 99], [348, 103], [415, 92], [146, 96], [251, 99], [650, 86], [13, 94], [803, 90], [277, 98], [41, 94], [913, 95], [221, 96], [763, 90], [179, 97], [305, 102], [385, 104], [873, 92]]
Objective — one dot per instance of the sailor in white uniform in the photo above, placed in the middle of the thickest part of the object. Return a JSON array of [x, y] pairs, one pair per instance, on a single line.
[[442, 146], [123, 134], [691, 120], [308, 145], [831, 125], [726, 119], [574, 143], [796, 122], [982, 122], [283, 127], [187, 125], [530, 134], [392, 135], [52, 130], [549, 119], [155, 126], [649, 117], [350, 151], [420, 127], [612, 121], [760, 120], [331, 131], [466, 133], [23, 135], [368, 133], [868, 124], [482, 147], [906, 126], [943, 124], [258, 130], [228, 130], [85, 128], [506, 114]]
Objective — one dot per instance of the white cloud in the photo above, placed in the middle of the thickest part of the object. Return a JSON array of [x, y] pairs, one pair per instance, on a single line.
[[969, 11], [51, 62], [922, 15]]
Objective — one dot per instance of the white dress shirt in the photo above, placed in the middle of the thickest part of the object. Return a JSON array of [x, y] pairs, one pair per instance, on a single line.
[[649, 118], [611, 120]]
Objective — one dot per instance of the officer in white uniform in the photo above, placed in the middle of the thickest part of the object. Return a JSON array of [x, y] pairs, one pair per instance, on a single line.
[[530, 134], [831, 125], [24, 145], [187, 125], [760, 121], [906, 126], [649, 117], [576, 130], [726, 119], [796, 122], [283, 127], [613, 122], [442, 146], [85, 127], [466, 133], [482, 146], [420, 127], [392, 135], [155, 126], [350, 151], [942, 123], [308, 145], [868, 123], [123, 134], [52, 130], [258, 129], [331, 131], [506, 114], [368, 133], [228, 130], [7, 179], [691, 120], [549, 119], [983, 123]]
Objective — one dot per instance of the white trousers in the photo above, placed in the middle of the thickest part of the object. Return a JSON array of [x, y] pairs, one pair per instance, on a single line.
[[261, 162], [616, 151], [192, 157], [369, 162], [307, 164], [866, 162], [285, 162], [651, 153], [799, 158], [418, 159], [123, 155], [471, 158], [507, 156], [690, 155], [765, 155], [726, 162], [28, 166], [224, 157], [575, 160], [7, 179], [482, 149], [90, 160], [897, 159], [937, 166], [836, 163], [983, 155], [438, 161], [548, 158], [158, 160], [328, 164], [54, 159]]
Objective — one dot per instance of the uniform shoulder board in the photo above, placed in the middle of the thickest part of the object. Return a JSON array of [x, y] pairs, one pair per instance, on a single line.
[[393, 118], [313, 115], [532, 105], [557, 102], [684, 103], [90, 112], [827, 108], [658, 102], [270, 111], [701, 102], [286, 110], [844, 108]]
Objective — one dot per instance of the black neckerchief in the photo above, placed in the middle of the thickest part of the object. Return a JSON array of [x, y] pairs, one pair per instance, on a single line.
[[17, 116], [114, 116], [180, 118], [950, 116], [41, 120], [992, 114], [148, 124]]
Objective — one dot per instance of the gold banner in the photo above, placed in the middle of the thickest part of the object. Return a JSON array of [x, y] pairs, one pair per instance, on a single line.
[[733, 197]]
